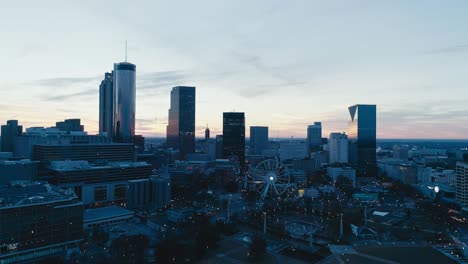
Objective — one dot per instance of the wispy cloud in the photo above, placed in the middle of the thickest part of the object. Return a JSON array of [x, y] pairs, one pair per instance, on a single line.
[[155, 80], [73, 96], [450, 49], [65, 82]]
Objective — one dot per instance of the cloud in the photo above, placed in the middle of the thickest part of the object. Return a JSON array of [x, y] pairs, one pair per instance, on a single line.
[[74, 96], [449, 50], [66, 81], [155, 80]]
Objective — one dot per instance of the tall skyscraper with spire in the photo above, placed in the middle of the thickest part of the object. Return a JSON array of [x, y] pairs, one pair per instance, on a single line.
[[117, 102], [124, 101], [180, 132]]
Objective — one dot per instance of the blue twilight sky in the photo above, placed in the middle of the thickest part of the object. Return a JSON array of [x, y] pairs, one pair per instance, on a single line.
[[285, 63]]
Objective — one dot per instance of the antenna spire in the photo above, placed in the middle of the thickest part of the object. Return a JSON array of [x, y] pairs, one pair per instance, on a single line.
[[125, 50]]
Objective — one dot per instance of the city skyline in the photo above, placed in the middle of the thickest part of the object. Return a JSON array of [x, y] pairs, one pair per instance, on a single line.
[[306, 74]]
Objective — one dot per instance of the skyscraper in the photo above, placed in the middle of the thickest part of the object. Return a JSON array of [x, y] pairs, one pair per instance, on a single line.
[[8, 134], [234, 137], [106, 105], [258, 139], [314, 135], [124, 101], [181, 126], [207, 134], [338, 148], [362, 139]]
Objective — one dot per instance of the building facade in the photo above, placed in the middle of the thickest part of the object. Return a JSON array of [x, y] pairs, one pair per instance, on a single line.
[[124, 83], [338, 148], [234, 137], [258, 139], [314, 135], [106, 105], [363, 140], [181, 123], [8, 134], [462, 183], [70, 125], [38, 220]]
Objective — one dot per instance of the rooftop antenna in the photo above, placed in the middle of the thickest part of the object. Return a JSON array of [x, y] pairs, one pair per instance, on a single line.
[[125, 50]]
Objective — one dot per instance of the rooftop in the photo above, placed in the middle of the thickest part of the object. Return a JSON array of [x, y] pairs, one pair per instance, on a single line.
[[74, 165], [96, 214], [26, 193]]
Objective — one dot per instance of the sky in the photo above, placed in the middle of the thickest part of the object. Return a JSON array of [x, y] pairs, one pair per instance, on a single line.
[[285, 64]]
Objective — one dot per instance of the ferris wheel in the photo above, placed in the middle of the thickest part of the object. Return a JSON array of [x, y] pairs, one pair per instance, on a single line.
[[270, 178]]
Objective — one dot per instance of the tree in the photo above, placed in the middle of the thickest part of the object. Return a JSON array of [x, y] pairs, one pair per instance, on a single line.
[[129, 249], [206, 234], [257, 247]]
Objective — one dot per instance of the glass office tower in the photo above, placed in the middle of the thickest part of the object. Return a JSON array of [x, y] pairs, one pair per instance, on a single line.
[[314, 136], [234, 137], [362, 139], [124, 101], [181, 126], [106, 105], [258, 139]]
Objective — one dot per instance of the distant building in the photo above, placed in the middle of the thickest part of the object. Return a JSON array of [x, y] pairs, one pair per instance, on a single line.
[[124, 93], [406, 172], [102, 216], [314, 136], [210, 148], [258, 139], [338, 148], [106, 105], [17, 170], [181, 125], [219, 147], [38, 220], [8, 134], [309, 166], [347, 172], [462, 184], [293, 150], [98, 183], [400, 152], [207, 134], [69, 125], [88, 152], [152, 193], [234, 137], [23, 145], [362, 140]]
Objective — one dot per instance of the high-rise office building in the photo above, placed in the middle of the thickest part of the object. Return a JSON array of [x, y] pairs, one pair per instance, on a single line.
[[400, 152], [181, 126], [462, 183], [362, 139], [38, 220], [219, 147], [234, 137], [338, 148], [151, 193], [124, 101], [258, 139], [9, 132], [106, 105], [314, 135]]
